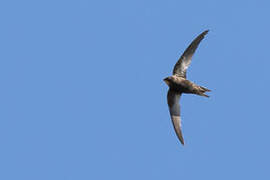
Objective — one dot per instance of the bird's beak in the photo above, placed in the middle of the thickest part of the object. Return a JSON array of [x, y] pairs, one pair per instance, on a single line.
[[166, 81]]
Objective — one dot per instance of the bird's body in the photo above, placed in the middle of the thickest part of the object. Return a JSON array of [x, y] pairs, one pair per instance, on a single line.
[[182, 85], [178, 84]]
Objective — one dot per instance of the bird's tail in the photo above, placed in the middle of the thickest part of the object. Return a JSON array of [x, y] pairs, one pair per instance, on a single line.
[[202, 90], [205, 95]]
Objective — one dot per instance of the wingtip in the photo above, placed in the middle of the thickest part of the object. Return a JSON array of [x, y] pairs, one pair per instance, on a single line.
[[183, 143], [206, 31], [180, 137]]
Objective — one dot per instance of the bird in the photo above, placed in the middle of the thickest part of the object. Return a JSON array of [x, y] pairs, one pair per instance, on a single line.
[[178, 84]]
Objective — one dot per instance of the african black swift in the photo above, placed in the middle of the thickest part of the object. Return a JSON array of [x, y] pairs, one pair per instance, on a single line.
[[178, 84]]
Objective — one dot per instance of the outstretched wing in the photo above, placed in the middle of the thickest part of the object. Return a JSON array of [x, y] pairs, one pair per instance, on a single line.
[[174, 107], [182, 64]]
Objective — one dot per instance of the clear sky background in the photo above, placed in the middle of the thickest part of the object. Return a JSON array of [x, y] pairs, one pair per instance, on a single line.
[[82, 95]]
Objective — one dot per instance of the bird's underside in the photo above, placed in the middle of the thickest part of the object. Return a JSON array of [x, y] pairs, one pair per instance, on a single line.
[[182, 85], [178, 84]]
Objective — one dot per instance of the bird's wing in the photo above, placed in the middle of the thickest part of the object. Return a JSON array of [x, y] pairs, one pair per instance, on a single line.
[[174, 107], [182, 64]]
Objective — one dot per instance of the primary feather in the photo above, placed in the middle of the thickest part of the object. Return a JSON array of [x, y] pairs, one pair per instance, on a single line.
[[184, 61]]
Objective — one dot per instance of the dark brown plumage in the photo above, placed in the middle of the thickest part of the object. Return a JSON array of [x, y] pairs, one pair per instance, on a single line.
[[178, 84]]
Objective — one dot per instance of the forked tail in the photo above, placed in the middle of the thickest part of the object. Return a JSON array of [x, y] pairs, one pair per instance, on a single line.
[[202, 91]]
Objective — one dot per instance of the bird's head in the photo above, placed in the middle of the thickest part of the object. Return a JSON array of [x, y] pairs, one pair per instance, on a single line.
[[167, 80]]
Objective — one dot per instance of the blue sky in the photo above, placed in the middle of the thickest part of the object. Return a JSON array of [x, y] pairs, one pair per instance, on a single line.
[[82, 95]]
